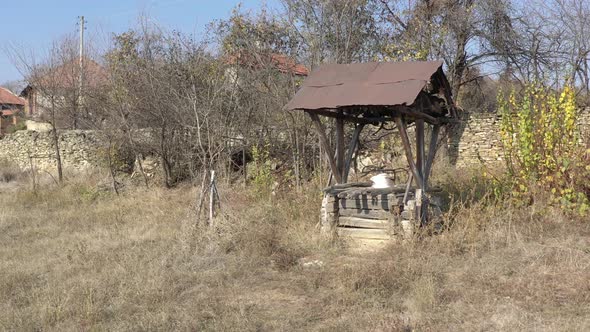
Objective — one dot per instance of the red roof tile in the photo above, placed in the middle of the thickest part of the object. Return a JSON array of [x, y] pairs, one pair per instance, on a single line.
[[67, 75], [283, 63], [7, 97]]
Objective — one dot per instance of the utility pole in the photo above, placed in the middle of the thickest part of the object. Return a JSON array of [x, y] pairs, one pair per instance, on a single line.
[[81, 69]]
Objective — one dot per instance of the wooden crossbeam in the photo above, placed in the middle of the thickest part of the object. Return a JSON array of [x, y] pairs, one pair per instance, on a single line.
[[397, 111]]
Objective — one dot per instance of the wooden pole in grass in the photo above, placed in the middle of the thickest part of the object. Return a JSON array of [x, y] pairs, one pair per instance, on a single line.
[[211, 197]]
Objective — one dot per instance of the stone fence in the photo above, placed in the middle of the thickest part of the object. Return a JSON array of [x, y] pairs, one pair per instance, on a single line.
[[474, 141], [79, 149]]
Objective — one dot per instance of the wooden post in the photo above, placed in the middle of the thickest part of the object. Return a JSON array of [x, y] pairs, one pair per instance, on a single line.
[[351, 148], [340, 146], [431, 153], [324, 142], [401, 126], [211, 197], [420, 149], [245, 165]]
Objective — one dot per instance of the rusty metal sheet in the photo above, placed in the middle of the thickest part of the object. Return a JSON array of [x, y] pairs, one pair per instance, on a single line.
[[363, 84]]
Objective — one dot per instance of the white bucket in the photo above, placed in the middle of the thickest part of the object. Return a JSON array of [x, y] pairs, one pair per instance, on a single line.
[[381, 181]]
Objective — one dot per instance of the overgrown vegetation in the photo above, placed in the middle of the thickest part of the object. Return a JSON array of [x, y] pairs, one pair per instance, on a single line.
[[78, 257], [100, 252], [543, 148]]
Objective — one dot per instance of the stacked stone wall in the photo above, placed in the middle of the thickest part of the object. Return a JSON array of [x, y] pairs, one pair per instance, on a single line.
[[79, 149], [474, 141]]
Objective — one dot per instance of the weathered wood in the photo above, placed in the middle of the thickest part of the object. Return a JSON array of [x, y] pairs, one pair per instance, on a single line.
[[351, 148], [447, 92], [363, 233], [401, 126], [368, 214], [351, 118], [348, 185], [431, 153], [408, 187], [420, 149], [367, 203], [361, 190], [340, 147], [363, 223], [397, 111], [413, 114], [211, 197], [327, 148]]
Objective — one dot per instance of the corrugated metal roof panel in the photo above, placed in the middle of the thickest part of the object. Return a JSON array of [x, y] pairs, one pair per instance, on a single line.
[[363, 84]]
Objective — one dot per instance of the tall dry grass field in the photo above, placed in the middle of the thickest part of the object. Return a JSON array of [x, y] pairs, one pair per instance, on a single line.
[[79, 258]]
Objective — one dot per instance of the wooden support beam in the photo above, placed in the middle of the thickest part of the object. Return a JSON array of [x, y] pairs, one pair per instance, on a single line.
[[340, 145], [431, 153], [404, 110], [327, 148], [351, 149], [401, 126], [420, 206], [401, 110], [350, 118], [420, 149]]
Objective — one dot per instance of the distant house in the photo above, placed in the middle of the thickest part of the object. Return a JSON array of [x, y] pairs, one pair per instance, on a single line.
[[59, 81], [274, 61], [11, 109]]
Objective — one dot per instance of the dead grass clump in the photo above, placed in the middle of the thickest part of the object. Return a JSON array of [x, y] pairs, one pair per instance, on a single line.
[[275, 232], [9, 172]]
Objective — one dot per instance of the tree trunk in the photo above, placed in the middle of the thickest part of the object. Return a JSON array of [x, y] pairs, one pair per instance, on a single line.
[[56, 143]]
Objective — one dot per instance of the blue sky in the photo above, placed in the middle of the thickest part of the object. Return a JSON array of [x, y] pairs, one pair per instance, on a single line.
[[35, 23]]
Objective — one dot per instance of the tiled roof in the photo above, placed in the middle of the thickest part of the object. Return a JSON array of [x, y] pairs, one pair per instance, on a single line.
[[67, 75], [287, 65], [283, 63], [7, 97]]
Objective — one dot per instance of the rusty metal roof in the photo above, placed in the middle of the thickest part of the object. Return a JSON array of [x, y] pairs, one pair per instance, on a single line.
[[363, 84]]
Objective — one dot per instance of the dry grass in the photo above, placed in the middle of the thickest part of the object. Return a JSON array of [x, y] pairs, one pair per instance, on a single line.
[[9, 173], [78, 258]]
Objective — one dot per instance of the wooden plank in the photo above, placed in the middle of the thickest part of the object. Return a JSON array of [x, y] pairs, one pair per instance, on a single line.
[[363, 233], [340, 146], [401, 126], [327, 148], [362, 203], [369, 198], [363, 223], [351, 148], [368, 214]]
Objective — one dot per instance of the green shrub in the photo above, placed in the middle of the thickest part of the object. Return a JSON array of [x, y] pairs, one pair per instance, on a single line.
[[542, 147]]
